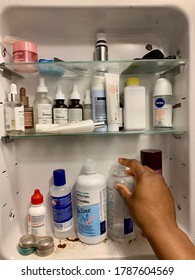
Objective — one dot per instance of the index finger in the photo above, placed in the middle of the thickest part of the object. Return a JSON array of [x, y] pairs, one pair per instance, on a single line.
[[135, 166]]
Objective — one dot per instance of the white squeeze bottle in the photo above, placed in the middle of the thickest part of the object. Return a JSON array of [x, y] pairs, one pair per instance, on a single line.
[[37, 215], [91, 193], [42, 107], [134, 105], [120, 223], [61, 205]]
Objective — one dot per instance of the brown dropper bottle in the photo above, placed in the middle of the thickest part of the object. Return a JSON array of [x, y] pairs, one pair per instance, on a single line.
[[28, 111], [75, 109]]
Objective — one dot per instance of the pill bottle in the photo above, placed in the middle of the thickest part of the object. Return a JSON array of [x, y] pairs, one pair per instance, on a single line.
[[37, 215], [120, 223], [91, 193]]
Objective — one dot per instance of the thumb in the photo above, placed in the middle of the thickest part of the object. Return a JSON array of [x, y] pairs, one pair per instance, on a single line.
[[124, 192]]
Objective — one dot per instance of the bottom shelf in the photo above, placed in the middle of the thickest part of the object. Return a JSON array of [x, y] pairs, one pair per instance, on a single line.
[[72, 249]]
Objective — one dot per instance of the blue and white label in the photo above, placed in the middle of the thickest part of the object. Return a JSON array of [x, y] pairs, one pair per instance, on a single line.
[[62, 212], [91, 213], [162, 112]]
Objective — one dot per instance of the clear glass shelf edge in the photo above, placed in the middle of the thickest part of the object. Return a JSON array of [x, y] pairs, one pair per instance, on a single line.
[[118, 133], [87, 68]]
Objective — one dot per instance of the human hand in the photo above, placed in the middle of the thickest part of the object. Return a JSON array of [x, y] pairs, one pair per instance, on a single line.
[[151, 204]]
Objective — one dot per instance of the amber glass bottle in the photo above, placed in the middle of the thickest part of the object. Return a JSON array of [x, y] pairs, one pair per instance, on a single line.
[[75, 109]]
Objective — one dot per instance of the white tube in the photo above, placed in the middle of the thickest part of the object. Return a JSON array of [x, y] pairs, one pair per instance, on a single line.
[[82, 126], [112, 101]]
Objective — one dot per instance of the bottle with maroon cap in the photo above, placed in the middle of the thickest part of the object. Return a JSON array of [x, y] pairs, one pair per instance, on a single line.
[[152, 158]]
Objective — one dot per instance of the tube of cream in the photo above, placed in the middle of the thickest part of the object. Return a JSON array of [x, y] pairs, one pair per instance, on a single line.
[[82, 126], [112, 101]]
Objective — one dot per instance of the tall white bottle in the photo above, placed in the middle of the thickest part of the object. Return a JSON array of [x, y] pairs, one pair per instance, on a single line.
[[14, 112], [37, 215], [134, 105], [42, 107], [120, 224], [61, 205], [91, 192]]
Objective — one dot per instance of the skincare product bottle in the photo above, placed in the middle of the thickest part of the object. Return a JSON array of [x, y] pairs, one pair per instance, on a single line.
[[91, 193], [28, 111], [37, 215], [162, 104], [87, 108], [75, 109], [134, 105], [42, 107], [112, 101], [98, 96], [61, 205], [152, 158], [60, 111], [101, 48], [120, 224], [14, 112]]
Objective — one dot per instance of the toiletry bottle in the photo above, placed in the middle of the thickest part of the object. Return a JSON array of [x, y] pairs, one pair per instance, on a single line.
[[61, 205], [87, 108], [75, 109], [60, 111], [98, 96], [162, 104], [37, 215], [101, 48], [28, 111], [42, 107], [134, 105], [14, 112], [91, 193], [152, 158], [120, 224]]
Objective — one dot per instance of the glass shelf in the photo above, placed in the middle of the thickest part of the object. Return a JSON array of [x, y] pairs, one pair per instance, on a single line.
[[88, 68], [175, 132]]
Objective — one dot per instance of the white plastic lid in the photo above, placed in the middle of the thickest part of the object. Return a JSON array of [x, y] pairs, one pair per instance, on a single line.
[[87, 99], [75, 94], [13, 95], [113, 127], [59, 93], [118, 168], [42, 87], [101, 37], [90, 166], [162, 87]]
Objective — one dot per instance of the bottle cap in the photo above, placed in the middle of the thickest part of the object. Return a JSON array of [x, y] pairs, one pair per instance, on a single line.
[[23, 97], [113, 127], [59, 177], [13, 95], [41, 87], [101, 37], [152, 158], [90, 166], [87, 99], [37, 197], [75, 94], [133, 82], [162, 86], [59, 94]]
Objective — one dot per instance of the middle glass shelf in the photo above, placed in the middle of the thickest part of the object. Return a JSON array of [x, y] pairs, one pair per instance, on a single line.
[[88, 68]]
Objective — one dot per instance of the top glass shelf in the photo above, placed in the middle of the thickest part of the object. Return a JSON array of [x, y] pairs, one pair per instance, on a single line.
[[88, 68]]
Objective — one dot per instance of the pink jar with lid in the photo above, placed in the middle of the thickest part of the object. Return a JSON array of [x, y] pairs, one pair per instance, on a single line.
[[24, 51]]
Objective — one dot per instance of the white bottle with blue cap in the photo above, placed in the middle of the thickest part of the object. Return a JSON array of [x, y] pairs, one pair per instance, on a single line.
[[61, 205]]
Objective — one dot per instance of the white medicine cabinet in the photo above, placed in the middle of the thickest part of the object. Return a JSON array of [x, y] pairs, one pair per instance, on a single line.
[[68, 31]]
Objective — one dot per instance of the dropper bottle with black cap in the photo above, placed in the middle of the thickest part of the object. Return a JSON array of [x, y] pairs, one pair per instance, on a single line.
[[101, 48]]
